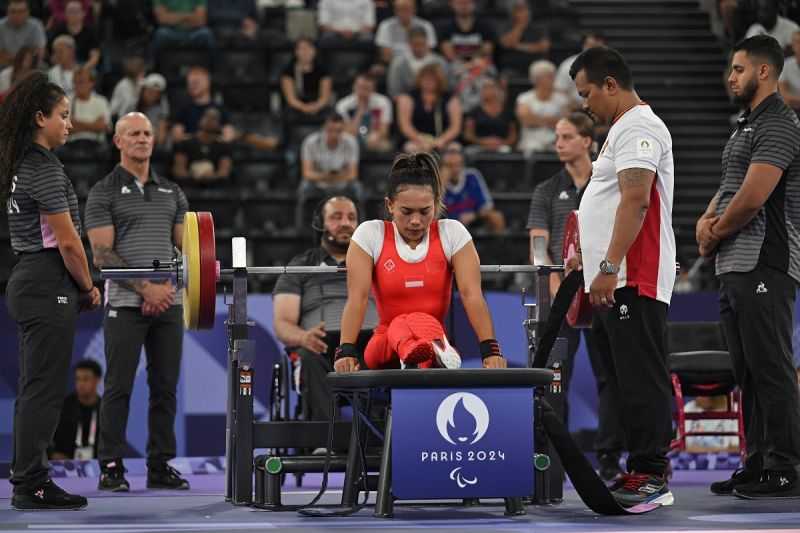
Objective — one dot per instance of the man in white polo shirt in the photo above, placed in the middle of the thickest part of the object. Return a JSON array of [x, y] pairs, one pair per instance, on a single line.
[[628, 260]]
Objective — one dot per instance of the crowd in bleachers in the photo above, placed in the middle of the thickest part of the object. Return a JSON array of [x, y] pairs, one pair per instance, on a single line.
[[301, 96]]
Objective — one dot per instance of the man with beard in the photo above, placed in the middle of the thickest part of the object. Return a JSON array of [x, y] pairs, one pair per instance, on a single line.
[[751, 225], [308, 307], [628, 261]]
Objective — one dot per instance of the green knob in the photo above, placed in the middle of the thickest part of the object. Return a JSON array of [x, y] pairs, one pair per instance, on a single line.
[[541, 462], [274, 465]]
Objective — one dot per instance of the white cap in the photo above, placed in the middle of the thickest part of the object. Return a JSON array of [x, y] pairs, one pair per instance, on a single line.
[[155, 81]]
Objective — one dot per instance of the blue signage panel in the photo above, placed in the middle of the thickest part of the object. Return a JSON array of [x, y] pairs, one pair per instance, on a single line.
[[456, 443]]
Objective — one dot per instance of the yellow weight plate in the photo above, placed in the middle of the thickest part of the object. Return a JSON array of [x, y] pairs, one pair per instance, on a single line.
[[191, 271]]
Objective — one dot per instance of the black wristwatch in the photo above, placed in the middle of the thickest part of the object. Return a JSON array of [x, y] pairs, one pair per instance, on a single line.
[[607, 267]]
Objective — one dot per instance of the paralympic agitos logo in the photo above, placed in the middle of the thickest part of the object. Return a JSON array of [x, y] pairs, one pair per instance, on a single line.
[[462, 420]]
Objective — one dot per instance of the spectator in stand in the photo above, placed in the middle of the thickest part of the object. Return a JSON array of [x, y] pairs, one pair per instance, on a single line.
[[770, 23], [393, 33], [19, 29], [564, 84], [187, 118], [62, 73], [90, 112], [466, 35], [204, 158], [429, 117], [154, 105], [790, 76], [58, 8], [468, 77], [235, 19], [523, 41], [76, 434], [343, 22], [539, 109], [329, 160], [87, 43], [466, 196], [126, 92], [181, 22], [402, 76], [24, 62], [491, 127], [367, 114], [306, 84]]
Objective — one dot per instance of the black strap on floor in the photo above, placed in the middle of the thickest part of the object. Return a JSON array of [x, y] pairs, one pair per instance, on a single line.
[[592, 490]]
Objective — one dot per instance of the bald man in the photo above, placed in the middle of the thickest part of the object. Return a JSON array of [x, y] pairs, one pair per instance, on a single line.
[[132, 217]]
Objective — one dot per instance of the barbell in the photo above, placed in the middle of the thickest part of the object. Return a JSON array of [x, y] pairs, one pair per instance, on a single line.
[[196, 271]]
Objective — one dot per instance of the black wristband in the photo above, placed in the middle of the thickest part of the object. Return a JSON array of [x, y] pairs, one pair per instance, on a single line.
[[348, 349], [490, 348]]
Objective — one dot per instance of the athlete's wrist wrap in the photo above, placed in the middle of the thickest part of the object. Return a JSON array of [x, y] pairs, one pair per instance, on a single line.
[[348, 349], [490, 348]]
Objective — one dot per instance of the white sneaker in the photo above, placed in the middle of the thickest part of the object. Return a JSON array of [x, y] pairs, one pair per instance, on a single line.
[[446, 355]]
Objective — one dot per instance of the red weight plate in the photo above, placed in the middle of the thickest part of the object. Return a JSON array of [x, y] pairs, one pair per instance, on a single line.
[[579, 314], [208, 270]]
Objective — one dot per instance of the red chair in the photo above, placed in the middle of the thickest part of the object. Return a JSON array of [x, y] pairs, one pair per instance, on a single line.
[[702, 372]]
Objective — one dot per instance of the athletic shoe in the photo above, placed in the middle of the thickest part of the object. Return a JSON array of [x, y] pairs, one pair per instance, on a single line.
[[609, 466], [112, 477], [740, 477], [446, 355], [47, 497], [774, 484], [643, 488], [420, 351], [165, 477]]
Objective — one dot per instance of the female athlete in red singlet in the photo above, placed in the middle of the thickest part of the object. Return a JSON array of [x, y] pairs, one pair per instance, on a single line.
[[409, 262]]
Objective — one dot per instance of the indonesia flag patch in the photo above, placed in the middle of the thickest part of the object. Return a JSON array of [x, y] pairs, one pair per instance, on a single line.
[[415, 283]]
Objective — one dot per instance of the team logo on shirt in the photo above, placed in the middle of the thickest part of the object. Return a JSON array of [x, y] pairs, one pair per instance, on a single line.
[[389, 265], [623, 312], [644, 147], [761, 289], [63, 300], [125, 190], [563, 196]]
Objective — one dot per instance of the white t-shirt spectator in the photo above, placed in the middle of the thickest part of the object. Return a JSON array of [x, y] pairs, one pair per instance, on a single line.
[[782, 32], [452, 234], [563, 83], [638, 139], [63, 78], [5, 79], [346, 15], [326, 159], [380, 110], [540, 138], [89, 111], [125, 96], [392, 34], [791, 75], [31, 33]]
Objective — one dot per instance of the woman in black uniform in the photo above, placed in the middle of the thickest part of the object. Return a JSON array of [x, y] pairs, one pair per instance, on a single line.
[[49, 285]]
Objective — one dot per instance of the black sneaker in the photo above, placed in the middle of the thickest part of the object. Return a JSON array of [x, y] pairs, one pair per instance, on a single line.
[[165, 477], [740, 477], [47, 496], [774, 484], [609, 466], [112, 477], [643, 488]]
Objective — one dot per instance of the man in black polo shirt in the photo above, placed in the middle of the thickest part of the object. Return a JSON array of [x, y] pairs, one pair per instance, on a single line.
[[134, 216], [552, 202], [752, 225], [308, 308]]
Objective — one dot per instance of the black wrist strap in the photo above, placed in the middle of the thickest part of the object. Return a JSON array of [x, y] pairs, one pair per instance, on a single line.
[[348, 349], [490, 348]]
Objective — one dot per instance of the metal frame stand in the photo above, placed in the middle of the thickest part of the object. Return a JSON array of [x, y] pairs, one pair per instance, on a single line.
[[549, 477]]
